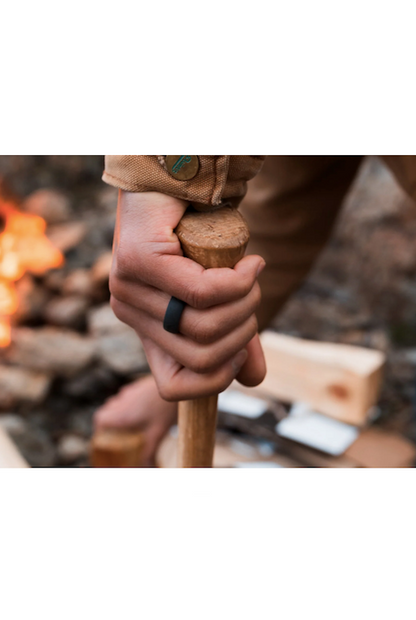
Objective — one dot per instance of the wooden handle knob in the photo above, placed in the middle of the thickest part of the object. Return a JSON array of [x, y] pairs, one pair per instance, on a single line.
[[212, 239]]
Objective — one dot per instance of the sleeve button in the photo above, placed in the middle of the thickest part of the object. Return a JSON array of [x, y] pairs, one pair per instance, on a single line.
[[182, 167]]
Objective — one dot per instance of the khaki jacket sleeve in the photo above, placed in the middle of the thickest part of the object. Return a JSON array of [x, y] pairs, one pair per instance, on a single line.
[[220, 179]]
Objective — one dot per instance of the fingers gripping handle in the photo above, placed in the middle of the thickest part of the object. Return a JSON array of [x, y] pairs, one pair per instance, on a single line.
[[213, 239]]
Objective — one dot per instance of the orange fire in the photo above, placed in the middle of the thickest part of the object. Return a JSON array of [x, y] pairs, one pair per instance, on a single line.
[[23, 247]]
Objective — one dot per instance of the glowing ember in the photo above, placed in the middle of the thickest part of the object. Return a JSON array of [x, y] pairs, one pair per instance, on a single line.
[[23, 247], [5, 333]]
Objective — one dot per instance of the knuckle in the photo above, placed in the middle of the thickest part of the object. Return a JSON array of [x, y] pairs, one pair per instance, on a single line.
[[121, 265], [253, 326], [202, 363], [115, 285], [253, 322], [199, 297], [223, 383], [116, 306], [205, 332], [245, 286], [166, 390], [120, 310], [126, 264]]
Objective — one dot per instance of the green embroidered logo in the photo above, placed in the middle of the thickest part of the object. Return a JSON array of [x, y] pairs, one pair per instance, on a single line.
[[184, 159]]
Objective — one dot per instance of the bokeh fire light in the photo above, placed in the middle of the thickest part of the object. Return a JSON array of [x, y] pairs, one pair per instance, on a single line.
[[24, 247]]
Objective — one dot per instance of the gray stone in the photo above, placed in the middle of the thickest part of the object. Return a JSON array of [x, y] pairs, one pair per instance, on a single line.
[[122, 352], [13, 424], [72, 447], [78, 282], [102, 321], [36, 447], [53, 206], [119, 347], [101, 269], [81, 422], [66, 311], [91, 383], [19, 385], [32, 299], [67, 236], [55, 351], [54, 280]]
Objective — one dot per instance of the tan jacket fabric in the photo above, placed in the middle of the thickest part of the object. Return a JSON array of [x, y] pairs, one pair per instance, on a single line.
[[291, 205], [220, 179]]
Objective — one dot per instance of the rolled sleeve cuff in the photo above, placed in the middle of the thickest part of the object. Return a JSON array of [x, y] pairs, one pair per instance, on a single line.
[[220, 178]]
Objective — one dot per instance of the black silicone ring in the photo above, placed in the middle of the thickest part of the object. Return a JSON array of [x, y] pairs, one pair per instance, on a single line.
[[173, 315]]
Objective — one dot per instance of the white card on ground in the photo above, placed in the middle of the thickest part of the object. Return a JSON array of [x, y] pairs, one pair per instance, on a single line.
[[232, 401], [316, 430], [257, 464]]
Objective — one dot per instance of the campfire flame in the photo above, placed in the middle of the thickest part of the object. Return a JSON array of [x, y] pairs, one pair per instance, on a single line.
[[24, 247]]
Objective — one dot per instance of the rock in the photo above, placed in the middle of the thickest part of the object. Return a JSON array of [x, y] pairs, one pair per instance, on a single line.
[[102, 321], [354, 337], [66, 311], [119, 347], [13, 424], [36, 447], [67, 236], [376, 195], [378, 339], [107, 199], [78, 282], [122, 352], [101, 269], [32, 299], [54, 280], [94, 383], [18, 385], [53, 206], [81, 282], [55, 351], [398, 249], [71, 448], [81, 422]]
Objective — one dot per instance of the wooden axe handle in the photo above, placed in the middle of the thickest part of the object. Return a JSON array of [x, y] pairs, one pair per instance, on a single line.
[[212, 239]]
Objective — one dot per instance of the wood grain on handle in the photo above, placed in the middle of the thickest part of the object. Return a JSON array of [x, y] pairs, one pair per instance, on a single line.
[[212, 239]]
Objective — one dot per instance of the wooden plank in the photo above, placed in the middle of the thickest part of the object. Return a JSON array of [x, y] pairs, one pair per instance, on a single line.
[[117, 448], [376, 447], [9, 454], [341, 381]]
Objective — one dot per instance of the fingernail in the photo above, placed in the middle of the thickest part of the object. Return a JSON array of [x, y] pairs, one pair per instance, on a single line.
[[239, 360], [260, 268]]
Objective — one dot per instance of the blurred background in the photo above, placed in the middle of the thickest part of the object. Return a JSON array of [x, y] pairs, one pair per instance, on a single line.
[[63, 352]]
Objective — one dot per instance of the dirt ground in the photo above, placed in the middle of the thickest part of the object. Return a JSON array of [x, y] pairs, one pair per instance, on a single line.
[[361, 291]]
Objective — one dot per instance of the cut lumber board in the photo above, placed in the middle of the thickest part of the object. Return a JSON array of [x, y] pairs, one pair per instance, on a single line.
[[341, 381], [116, 448], [378, 448], [9, 454]]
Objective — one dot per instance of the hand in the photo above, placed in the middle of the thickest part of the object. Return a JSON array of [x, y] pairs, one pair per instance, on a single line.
[[218, 340]]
